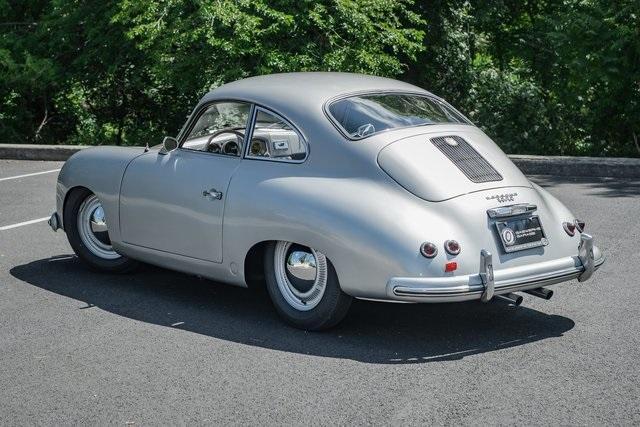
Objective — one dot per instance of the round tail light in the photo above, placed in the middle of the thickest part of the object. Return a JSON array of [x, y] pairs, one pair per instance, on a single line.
[[428, 250], [569, 227], [452, 247], [580, 225]]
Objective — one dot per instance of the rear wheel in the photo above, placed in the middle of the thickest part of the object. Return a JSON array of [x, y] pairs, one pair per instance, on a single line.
[[304, 286], [88, 234]]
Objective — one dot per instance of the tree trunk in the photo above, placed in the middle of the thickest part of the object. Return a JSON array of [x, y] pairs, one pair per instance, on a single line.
[[44, 121]]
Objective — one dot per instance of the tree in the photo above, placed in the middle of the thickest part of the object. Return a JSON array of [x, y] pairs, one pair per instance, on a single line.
[[194, 46], [539, 76], [597, 44], [27, 81]]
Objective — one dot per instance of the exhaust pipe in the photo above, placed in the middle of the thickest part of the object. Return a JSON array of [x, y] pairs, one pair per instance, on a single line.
[[543, 293], [510, 298]]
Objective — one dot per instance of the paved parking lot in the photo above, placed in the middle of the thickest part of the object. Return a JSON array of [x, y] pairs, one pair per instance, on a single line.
[[162, 347]]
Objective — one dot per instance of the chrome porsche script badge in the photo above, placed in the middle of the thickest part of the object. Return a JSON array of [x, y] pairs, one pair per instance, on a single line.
[[501, 198]]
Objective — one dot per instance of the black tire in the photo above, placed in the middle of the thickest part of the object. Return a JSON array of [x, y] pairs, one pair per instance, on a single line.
[[71, 208], [331, 309]]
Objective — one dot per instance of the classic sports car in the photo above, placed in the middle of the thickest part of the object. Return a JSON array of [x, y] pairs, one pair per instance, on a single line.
[[326, 187]]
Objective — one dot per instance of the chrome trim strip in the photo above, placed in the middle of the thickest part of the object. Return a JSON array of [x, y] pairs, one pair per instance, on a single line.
[[474, 287]]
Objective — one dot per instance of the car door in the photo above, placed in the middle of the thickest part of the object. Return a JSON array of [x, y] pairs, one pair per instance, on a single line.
[[174, 202]]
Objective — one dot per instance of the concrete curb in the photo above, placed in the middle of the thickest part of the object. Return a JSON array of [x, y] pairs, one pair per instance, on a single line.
[[614, 167], [531, 165], [38, 152]]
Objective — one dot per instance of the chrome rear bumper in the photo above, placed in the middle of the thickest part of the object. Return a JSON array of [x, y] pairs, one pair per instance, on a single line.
[[488, 283]]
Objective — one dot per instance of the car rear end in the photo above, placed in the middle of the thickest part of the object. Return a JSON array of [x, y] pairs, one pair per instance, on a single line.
[[499, 233], [483, 228], [499, 248]]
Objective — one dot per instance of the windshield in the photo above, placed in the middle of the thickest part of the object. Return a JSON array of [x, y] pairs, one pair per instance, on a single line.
[[363, 115]]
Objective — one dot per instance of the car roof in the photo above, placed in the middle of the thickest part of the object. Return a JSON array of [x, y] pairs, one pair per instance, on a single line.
[[290, 92]]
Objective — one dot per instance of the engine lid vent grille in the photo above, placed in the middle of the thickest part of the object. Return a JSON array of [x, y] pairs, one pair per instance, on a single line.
[[466, 158]]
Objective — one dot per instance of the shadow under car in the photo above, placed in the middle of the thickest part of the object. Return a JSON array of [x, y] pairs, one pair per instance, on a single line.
[[373, 332]]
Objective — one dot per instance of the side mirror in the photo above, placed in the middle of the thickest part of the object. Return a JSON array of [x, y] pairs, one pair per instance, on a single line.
[[168, 144]]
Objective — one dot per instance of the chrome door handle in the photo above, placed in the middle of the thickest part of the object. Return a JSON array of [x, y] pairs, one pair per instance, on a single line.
[[213, 193]]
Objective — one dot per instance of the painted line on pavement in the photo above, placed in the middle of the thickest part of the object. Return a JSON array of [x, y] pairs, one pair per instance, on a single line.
[[20, 224], [29, 174]]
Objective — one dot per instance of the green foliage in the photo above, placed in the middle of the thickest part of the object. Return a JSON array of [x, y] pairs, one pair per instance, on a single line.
[[544, 77], [511, 106]]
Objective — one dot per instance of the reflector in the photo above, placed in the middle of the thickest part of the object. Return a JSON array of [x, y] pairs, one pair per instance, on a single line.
[[450, 266]]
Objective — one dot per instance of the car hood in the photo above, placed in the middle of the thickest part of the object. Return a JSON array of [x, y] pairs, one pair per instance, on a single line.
[[437, 166]]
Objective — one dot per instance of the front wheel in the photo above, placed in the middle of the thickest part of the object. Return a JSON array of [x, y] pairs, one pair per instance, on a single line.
[[88, 234], [304, 286]]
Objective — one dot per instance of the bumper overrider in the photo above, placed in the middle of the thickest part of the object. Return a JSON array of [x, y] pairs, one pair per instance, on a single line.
[[487, 283], [54, 222]]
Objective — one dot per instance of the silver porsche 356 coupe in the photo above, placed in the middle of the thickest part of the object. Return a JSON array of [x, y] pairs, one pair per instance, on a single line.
[[326, 187]]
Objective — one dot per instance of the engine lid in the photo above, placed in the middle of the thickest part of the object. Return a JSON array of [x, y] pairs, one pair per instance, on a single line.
[[438, 166]]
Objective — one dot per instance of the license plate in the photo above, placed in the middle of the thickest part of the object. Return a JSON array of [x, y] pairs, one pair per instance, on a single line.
[[522, 233]]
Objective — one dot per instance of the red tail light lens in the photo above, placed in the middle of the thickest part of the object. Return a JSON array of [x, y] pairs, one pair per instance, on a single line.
[[428, 250], [569, 227], [452, 247], [450, 266], [580, 225]]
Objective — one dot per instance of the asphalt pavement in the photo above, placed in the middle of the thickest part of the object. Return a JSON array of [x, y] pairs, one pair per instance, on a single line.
[[158, 347]]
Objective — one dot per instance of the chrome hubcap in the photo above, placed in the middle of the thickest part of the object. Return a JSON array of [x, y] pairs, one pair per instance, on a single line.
[[301, 274], [301, 269], [92, 228]]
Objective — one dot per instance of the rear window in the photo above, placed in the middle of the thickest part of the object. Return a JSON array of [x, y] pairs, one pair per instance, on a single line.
[[364, 115]]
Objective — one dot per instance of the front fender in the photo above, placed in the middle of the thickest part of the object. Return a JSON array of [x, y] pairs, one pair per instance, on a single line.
[[99, 169]]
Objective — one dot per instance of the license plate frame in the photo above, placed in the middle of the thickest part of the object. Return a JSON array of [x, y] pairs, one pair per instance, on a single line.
[[519, 234]]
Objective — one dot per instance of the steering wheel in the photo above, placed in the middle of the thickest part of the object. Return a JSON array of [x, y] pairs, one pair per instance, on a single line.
[[221, 132]]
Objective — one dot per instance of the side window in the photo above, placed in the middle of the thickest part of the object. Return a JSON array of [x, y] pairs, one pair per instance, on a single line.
[[220, 129], [273, 138]]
